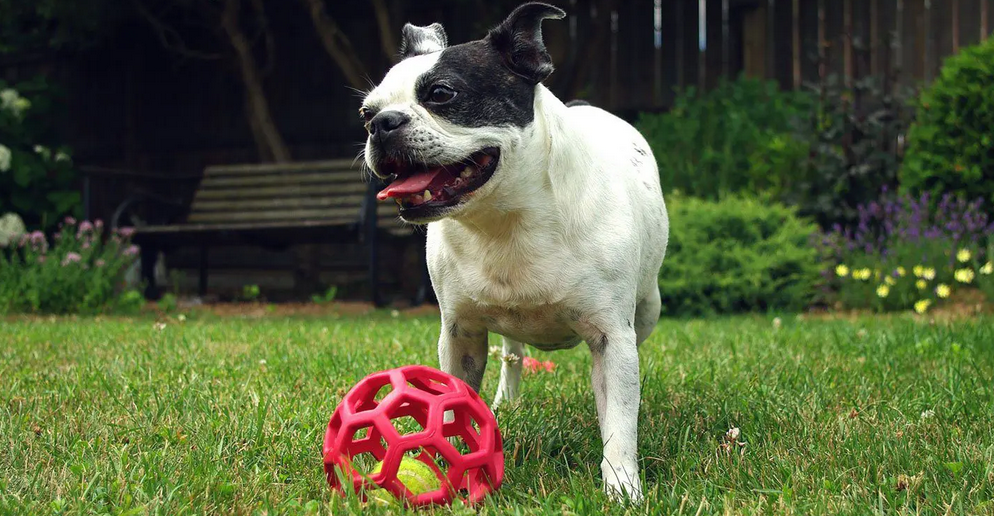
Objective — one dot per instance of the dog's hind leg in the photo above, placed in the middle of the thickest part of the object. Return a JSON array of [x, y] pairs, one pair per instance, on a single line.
[[510, 371], [647, 315]]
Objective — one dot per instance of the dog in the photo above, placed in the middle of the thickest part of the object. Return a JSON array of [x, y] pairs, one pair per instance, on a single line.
[[546, 222]]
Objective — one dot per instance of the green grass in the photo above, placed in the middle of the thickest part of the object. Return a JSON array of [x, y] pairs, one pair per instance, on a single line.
[[227, 416]]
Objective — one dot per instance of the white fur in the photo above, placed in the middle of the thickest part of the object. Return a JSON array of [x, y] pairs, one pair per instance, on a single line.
[[563, 244]]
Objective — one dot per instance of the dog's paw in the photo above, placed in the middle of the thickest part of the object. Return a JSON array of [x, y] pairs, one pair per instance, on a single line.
[[620, 484]]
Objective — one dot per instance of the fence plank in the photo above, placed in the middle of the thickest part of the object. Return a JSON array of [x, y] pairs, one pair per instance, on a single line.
[[969, 22]]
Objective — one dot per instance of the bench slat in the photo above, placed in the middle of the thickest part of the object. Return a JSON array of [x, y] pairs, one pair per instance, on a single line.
[[276, 203], [270, 168], [283, 191], [285, 214], [277, 179]]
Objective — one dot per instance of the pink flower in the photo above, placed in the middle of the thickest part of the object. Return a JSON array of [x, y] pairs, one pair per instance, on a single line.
[[86, 245], [71, 258], [131, 251], [126, 232], [533, 366], [37, 237], [70, 221], [99, 224], [85, 227], [100, 263], [41, 259]]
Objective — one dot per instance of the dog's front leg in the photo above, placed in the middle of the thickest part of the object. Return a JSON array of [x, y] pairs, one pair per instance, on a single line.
[[616, 391], [462, 352]]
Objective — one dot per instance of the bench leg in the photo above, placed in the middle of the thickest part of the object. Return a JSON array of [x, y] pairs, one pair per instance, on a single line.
[[149, 253], [202, 285]]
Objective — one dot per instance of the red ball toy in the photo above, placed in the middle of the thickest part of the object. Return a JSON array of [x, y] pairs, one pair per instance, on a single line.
[[400, 412]]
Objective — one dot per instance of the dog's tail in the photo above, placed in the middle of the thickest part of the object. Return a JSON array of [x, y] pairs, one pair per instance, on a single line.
[[577, 102]]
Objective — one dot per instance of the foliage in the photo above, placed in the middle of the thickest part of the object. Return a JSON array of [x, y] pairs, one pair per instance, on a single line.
[[902, 252], [327, 297], [736, 255], [845, 151], [251, 292], [951, 145], [36, 180], [704, 145], [39, 25], [78, 271]]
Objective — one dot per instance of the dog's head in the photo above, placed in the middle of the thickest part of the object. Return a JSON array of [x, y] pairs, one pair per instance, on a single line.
[[445, 122]]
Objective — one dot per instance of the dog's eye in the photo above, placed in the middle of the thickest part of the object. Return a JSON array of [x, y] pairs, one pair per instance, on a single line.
[[441, 94], [366, 114]]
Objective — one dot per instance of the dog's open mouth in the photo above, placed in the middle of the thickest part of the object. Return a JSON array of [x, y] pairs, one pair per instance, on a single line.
[[418, 187]]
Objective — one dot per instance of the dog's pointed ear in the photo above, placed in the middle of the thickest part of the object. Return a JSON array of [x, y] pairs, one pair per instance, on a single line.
[[518, 39], [416, 41]]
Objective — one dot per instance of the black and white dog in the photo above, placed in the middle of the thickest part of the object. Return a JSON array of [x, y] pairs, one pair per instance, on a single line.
[[546, 223]]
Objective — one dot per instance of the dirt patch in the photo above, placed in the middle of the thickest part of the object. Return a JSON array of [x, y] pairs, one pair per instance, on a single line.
[[964, 304]]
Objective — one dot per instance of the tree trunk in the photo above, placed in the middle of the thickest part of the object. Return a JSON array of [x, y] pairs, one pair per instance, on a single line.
[[337, 44], [387, 39], [267, 136]]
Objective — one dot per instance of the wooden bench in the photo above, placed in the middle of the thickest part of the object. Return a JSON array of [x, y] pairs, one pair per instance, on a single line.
[[275, 205]]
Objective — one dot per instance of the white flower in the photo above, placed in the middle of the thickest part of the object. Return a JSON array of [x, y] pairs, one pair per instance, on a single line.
[[62, 157], [5, 157], [511, 358], [262, 362], [11, 227], [928, 414], [181, 318], [43, 151], [159, 326], [7, 98], [777, 323]]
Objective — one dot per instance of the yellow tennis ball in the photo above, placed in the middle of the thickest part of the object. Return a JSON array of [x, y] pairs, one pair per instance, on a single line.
[[414, 474]]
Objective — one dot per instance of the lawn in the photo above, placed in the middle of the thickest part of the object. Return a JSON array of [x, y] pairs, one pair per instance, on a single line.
[[226, 415]]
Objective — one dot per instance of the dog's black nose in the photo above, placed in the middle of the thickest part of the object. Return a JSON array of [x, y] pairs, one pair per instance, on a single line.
[[387, 122]]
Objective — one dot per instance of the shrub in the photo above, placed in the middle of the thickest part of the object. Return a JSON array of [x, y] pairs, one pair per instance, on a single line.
[[37, 180], [951, 145], [703, 145], [78, 271], [850, 147], [734, 255], [902, 252]]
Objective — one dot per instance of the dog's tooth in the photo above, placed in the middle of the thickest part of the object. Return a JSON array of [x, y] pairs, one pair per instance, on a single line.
[[399, 202], [466, 173], [427, 196]]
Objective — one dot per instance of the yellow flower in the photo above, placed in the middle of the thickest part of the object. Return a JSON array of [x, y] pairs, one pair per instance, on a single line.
[[841, 270], [943, 290], [964, 275], [901, 272], [929, 274], [861, 274], [876, 274], [963, 255], [918, 270], [890, 280], [922, 306], [883, 291], [987, 269], [921, 284]]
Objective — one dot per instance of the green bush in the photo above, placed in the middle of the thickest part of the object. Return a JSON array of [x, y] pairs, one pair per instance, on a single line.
[[37, 180], [704, 145], [951, 144], [79, 271], [738, 254]]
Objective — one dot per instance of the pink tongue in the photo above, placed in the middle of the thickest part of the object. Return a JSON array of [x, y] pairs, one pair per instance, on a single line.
[[414, 184]]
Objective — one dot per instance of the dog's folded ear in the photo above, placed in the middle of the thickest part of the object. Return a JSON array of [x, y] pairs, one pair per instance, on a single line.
[[518, 39], [416, 41]]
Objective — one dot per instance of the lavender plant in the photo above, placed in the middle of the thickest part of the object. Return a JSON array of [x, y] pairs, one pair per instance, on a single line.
[[80, 270], [901, 254]]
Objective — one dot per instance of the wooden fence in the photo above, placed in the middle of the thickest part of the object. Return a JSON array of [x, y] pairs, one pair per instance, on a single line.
[[661, 45]]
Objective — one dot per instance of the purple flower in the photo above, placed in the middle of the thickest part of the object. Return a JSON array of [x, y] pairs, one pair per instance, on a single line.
[[131, 251], [37, 237], [126, 232], [71, 258]]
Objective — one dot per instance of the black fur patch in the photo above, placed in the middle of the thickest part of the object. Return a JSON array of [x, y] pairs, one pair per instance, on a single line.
[[488, 94]]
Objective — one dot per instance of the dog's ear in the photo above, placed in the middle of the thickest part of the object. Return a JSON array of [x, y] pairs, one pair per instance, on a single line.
[[518, 39], [416, 41]]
